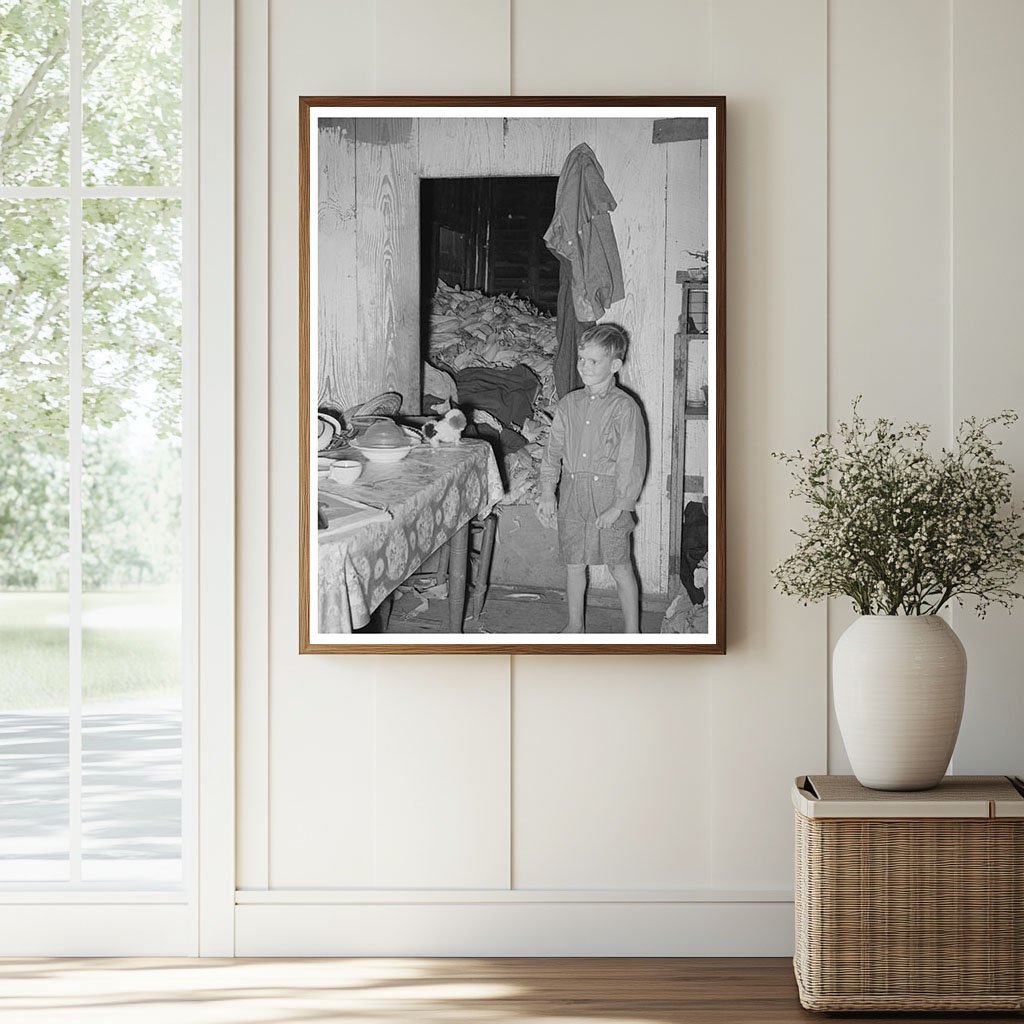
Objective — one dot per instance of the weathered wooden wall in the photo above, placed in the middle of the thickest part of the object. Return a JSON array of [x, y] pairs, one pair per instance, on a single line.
[[368, 272], [455, 147], [369, 326], [336, 263]]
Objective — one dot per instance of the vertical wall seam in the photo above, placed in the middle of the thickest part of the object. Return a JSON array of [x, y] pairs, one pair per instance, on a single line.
[[709, 805], [375, 835], [828, 341], [950, 298], [511, 79], [950, 151], [376, 58], [711, 45], [510, 692], [266, 441]]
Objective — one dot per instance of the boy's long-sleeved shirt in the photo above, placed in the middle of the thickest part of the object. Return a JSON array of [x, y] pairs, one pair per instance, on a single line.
[[601, 433]]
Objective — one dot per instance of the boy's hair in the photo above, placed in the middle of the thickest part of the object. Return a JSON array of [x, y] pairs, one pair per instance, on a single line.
[[611, 337]]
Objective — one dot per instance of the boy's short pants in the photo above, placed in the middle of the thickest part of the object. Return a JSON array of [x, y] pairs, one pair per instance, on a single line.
[[582, 496]]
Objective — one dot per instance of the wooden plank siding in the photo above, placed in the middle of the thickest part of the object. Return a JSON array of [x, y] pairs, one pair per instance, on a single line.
[[337, 306], [387, 249], [372, 222], [460, 147], [535, 145]]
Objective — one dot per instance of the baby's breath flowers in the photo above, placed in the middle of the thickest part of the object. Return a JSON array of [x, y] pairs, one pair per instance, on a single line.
[[899, 530]]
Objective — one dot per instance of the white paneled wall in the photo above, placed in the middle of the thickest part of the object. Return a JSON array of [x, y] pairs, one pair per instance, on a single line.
[[889, 272], [579, 47], [442, 797], [316, 708], [987, 364], [440, 48], [612, 775], [768, 693], [889, 210], [611, 804]]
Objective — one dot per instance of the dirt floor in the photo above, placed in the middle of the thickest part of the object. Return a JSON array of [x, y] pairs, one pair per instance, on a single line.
[[510, 609]]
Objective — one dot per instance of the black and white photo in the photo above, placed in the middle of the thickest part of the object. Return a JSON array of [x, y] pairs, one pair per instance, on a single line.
[[512, 375]]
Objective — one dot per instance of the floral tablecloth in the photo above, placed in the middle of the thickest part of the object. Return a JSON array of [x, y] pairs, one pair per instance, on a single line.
[[431, 493]]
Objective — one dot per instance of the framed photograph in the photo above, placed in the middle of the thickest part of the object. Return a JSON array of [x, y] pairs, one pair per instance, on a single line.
[[512, 375]]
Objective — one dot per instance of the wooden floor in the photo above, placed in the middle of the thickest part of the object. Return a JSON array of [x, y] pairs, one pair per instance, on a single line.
[[382, 991]]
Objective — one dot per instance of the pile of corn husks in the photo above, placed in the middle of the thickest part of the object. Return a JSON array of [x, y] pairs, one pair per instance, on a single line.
[[473, 329]]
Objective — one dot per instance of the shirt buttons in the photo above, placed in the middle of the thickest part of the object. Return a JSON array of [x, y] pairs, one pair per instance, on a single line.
[[595, 479], [584, 455], [586, 423]]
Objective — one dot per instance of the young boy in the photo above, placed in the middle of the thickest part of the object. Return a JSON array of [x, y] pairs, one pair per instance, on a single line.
[[598, 448]]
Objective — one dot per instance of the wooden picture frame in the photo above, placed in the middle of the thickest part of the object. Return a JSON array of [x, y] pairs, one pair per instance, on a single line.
[[408, 199]]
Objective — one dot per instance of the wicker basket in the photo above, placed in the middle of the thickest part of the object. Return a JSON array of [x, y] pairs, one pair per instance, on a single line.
[[910, 901]]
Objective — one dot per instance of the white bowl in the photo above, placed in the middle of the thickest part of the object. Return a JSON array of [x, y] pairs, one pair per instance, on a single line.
[[345, 471], [380, 454]]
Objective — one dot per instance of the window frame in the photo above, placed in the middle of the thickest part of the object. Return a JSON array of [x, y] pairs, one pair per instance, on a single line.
[[69, 918]]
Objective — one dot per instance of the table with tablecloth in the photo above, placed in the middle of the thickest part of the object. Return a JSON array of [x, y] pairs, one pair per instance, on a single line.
[[432, 494]]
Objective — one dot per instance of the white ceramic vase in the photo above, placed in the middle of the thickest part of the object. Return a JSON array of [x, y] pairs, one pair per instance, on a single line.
[[898, 685]]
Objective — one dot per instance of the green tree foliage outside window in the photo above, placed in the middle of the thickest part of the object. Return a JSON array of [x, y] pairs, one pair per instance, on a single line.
[[131, 303]]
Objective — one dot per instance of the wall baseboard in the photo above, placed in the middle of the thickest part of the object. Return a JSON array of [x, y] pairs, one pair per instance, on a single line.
[[332, 897], [100, 928], [515, 929]]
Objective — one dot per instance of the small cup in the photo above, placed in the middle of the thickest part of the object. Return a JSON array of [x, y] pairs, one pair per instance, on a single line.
[[345, 471]]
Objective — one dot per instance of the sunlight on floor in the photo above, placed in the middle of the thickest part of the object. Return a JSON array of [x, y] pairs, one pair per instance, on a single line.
[[147, 991]]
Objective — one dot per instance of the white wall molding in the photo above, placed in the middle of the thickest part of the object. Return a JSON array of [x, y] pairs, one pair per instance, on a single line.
[[378, 897], [252, 182], [216, 477], [517, 929]]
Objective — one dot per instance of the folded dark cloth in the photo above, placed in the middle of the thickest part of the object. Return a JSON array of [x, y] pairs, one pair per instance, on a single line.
[[694, 547], [506, 393], [504, 442]]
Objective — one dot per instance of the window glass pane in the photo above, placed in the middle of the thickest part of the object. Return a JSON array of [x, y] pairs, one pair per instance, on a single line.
[[33, 92], [131, 92], [131, 541], [33, 540]]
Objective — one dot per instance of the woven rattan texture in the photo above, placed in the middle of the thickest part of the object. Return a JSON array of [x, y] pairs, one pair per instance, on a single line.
[[916, 914], [960, 787]]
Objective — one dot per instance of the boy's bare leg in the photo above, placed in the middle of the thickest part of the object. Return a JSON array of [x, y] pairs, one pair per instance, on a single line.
[[575, 592], [629, 595]]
